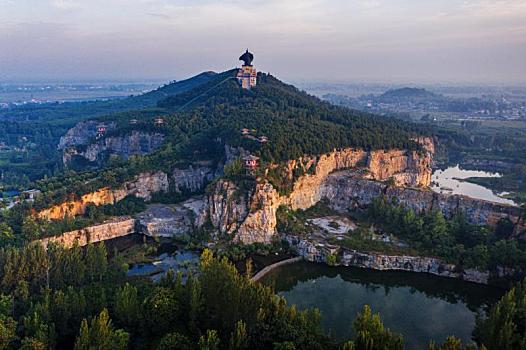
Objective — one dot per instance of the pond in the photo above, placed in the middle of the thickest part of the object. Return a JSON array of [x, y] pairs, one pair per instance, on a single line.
[[450, 181], [183, 261], [419, 306]]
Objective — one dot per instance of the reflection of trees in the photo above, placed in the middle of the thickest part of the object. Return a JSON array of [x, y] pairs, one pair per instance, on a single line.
[[451, 290]]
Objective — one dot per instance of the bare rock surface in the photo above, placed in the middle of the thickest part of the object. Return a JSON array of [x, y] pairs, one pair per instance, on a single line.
[[161, 220]]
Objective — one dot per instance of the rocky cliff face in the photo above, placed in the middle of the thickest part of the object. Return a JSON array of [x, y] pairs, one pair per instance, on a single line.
[[376, 261], [405, 168], [135, 143], [227, 206], [251, 215], [260, 223], [144, 186], [193, 179], [118, 227], [345, 191], [82, 134], [165, 221]]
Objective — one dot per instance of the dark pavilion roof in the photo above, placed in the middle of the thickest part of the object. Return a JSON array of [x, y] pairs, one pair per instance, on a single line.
[[247, 57]]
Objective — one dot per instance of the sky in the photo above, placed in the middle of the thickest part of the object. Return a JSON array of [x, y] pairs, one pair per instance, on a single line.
[[463, 41]]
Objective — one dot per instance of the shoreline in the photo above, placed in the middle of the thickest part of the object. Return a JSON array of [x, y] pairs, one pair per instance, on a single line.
[[262, 273]]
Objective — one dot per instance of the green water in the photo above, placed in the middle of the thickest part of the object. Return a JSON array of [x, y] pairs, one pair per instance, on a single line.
[[419, 306]]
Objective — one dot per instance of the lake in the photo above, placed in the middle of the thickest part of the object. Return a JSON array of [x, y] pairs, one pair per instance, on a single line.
[[419, 306], [450, 181], [183, 261]]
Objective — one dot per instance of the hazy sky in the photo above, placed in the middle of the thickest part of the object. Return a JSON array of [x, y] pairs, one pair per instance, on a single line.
[[332, 40]]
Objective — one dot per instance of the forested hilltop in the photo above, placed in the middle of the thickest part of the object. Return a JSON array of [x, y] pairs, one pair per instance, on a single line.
[[295, 123], [198, 124], [30, 133]]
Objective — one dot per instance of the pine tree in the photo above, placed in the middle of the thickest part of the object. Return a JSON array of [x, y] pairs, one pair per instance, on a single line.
[[100, 335], [239, 338], [370, 333], [210, 341], [127, 306]]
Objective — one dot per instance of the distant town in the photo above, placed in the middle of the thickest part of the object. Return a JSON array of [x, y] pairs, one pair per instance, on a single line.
[[17, 94], [427, 102]]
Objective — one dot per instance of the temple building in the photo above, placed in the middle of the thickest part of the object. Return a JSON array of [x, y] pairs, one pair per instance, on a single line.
[[101, 130], [251, 162], [247, 75]]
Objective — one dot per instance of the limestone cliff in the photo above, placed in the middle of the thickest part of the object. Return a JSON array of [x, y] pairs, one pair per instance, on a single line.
[[161, 220], [227, 206], [251, 215], [260, 223], [405, 168], [143, 186], [314, 252], [82, 134], [135, 143], [345, 191], [117, 227], [193, 179]]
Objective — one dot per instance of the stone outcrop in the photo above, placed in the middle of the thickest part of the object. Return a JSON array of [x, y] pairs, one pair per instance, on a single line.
[[117, 227], [227, 206], [161, 220], [316, 252], [305, 192], [190, 180], [193, 179], [260, 223], [82, 134], [251, 215], [78, 207], [345, 191], [143, 186], [405, 168], [135, 143]]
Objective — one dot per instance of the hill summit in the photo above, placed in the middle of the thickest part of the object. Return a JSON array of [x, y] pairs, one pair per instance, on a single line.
[[408, 93]]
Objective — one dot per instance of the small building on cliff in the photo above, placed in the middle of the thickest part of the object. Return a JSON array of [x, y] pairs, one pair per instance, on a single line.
[[251, 162], [247, 75]]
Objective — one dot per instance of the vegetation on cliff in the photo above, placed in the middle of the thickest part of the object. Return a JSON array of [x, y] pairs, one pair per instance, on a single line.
[[200, 121], [456, 240], [33, 131], [505, 326]]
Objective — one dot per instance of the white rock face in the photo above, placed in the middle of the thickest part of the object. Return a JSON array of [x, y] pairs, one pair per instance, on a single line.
[[317, 252], [82, 133], [97, 152], [117, 227], [251, 214], [143, 186], [227, 206], [161, 220], [192, 179]]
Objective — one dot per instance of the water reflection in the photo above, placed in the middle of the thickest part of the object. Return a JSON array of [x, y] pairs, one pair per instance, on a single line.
[[420, 306], [181, 261], [449, 181]]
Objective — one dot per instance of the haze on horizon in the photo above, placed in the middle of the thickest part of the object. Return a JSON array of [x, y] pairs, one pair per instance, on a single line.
[[469, 41]]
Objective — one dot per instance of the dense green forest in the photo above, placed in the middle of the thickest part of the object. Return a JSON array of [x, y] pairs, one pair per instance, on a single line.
[[454, 240], [81, 299], [32, 132]]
